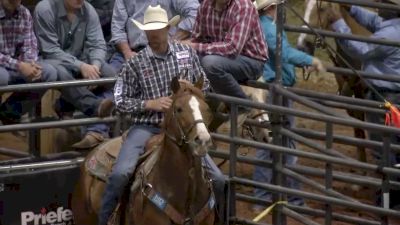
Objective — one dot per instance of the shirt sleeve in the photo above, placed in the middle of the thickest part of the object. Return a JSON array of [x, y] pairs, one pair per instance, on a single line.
[[361, 50], [290, 55], [48, 39], [126, 90], [118, 23], [95, 43], [30, 48], [8, 62], [366, 18], [188, 10], [235, 37]]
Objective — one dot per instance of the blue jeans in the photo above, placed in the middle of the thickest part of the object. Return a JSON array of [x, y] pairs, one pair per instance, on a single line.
[[117, 60], [225, 74], [83, 99], [126, 163], [20, 103], [263, 174]]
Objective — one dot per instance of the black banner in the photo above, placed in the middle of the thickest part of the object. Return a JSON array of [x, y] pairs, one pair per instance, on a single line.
[[38, 197]]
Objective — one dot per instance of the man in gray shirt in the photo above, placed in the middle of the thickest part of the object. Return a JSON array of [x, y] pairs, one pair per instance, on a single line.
[[129, 39], [71, 39]]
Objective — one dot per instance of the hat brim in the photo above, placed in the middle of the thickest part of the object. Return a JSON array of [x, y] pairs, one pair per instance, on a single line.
[[262, 5], [157, 25]]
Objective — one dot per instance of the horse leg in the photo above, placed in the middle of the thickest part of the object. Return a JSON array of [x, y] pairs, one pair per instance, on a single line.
[[81, 208]]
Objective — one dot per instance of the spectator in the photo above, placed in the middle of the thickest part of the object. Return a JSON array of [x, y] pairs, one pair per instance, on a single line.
[[129, 39], [70, 38], [104, 9], [291, 57], [377, 59], [19, 60], [231, 45], [144, 91]]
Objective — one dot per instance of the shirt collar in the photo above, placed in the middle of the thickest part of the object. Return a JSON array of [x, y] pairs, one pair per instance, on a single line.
[[62, 12], [169, 51]]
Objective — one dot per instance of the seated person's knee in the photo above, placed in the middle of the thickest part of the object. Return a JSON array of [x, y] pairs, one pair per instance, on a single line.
[[49, 73], [4, 77]]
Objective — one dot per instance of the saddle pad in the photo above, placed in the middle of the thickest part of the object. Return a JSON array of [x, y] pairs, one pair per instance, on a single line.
[[101, 161]]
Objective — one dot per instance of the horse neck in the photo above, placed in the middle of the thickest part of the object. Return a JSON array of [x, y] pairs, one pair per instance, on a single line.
[[183, 178], [355, 27]]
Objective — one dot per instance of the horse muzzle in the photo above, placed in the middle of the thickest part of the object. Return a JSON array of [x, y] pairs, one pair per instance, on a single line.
[[200, 146]]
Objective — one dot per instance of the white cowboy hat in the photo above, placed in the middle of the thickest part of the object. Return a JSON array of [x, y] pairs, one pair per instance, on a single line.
[[261, 4], [156, 18]]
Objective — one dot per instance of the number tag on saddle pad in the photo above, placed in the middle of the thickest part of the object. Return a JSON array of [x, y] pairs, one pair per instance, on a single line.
[[158, 201]]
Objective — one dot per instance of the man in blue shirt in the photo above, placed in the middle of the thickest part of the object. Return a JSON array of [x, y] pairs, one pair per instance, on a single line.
[[377, 59], [291, 57]]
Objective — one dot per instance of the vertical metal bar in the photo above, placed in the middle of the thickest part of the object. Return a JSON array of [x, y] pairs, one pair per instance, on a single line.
[[328, 172], [117, 125], [385, 162], [276, 120], [232, 163], [34, 135]]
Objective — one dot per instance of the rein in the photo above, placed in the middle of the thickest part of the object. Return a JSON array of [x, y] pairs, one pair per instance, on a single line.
[[332, 51]]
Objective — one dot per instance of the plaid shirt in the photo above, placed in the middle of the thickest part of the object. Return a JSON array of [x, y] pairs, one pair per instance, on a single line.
[[148, 76], [231, 32], [17, 39]]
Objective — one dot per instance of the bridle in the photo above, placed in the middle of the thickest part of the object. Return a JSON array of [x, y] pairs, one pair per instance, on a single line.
[[183, 134]]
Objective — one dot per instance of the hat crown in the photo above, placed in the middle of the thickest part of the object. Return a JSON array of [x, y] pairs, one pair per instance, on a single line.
[[155, 14]]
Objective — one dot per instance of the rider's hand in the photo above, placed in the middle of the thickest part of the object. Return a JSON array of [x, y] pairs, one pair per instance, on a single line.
[[159, 105], [318, 65], [90, 72], [315, 66]]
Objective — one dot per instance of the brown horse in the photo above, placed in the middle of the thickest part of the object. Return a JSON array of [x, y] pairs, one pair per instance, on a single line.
[[316, 14], [170, 187]]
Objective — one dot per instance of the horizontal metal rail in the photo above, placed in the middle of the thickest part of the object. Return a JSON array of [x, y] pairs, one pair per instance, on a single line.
[[56, 85], [58, 124], [310, 211], [367, 3], [332, 34], [308, 115], [323, 158], [13, 152], [311, 171], [317, 197], [41, 165]]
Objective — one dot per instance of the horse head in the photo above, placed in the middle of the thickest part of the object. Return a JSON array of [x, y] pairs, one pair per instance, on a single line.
[[317, 16], [187, 119]]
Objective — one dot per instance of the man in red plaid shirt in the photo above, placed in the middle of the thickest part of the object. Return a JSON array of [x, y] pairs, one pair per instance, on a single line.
[[228, 37], [19, 59]]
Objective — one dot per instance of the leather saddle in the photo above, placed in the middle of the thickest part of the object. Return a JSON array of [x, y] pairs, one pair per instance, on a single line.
[[102, 159]]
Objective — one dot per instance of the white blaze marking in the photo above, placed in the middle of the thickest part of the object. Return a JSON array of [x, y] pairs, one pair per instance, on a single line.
[[201, 128], [307, 14]]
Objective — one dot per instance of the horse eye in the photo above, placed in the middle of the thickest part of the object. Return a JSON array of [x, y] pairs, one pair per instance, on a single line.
[[179, 110]]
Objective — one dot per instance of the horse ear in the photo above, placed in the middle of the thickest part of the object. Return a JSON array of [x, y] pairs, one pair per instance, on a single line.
[[175, 86], [199, 83]]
